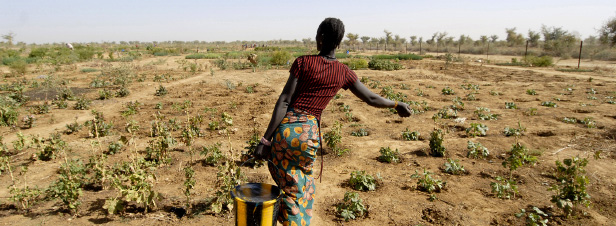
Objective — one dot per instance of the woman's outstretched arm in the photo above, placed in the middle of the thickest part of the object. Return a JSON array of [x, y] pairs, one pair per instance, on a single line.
[[279, 112], [373, 99]]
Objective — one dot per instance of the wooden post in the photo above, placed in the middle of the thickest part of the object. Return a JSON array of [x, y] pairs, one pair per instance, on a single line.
[[526, 51], [488, 52], [580, 56], [406, 47], [420, 48], [459, 49]]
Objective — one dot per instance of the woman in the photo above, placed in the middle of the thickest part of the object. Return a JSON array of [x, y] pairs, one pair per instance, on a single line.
[[293, 131]]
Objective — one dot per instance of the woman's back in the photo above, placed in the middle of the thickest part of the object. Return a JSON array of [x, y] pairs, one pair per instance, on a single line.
[[318, 81]]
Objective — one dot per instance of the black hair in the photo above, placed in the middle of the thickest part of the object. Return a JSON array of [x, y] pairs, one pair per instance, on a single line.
[[332, 30]]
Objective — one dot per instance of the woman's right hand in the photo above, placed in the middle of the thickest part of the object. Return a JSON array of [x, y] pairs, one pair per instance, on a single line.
[[403, 110], [261, 152]]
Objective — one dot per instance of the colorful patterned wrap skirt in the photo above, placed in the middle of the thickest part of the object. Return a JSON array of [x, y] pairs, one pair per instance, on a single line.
[[294, 150]]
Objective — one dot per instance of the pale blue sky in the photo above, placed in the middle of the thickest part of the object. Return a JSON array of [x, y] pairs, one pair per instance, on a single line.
[[45, 21]]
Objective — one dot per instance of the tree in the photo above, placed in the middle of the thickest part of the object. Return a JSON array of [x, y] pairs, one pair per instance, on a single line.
[[352, 39], [607, 33], [513, 38], [557, 41], [413, 40], [388, 38], [533, 38], [493, 38], [306, 41], [9, 37], [364, 40], [484, 39]]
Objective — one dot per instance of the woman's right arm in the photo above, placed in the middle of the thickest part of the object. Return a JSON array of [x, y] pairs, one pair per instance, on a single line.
[[373, 99]]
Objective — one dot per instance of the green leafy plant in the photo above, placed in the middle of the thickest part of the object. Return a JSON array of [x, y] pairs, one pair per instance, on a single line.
[[384, 65], [504, 189], [122, 92], [534, 217], [436, 143], [361, 181], [510, 105], [453, 167], [82, 104], [98, 126], [476, 150], [445, 113], [549, 104], [531, 92], [483, 113], [68, 186], [134, 181], [25, 196], [361, 132], [53, 146], [251, 146], [448, 91], [428, 184], [410, 135], [333, 138], [589, 122], [476, 129], [351, 207], [131, 108], [510, 131], [161, 91], [114, 148], [388, 155], [570, 184], [213, 155], [518, 156], [104, 94], [530, 111], [189, 183], [228, 176]]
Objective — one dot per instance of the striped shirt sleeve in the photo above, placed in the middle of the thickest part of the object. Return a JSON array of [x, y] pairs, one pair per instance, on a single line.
[[349, 79], [296, 68]]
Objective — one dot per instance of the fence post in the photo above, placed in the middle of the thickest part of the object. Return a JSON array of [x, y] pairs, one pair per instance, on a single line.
[[459, 49], [488, 52], [420, 48], [526, 51], [580, 56]]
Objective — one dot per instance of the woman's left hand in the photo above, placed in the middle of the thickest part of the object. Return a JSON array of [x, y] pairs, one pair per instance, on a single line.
[[261, 152], [403, 110]]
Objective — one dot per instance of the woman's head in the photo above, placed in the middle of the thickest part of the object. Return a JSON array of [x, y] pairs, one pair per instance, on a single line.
[[329, 34]]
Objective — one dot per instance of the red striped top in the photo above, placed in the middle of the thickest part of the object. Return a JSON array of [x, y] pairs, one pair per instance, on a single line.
[[318, 81]]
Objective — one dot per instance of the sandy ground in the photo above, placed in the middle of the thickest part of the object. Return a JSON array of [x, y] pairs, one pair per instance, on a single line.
[[467, 199]]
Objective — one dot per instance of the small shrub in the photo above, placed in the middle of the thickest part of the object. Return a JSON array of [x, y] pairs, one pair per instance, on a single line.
[[428, 184], [452, 166], [280, 58], [483, 113], [544, 61], [161, 91], [114, 148], [518, 156], [355, 63], [389, 156], [68, 187], [476, 129], [570, 184], [104, 94], [510, 131], [533, 219], [436, 143], [82, 104], [448, 91], [476, 150], [333, 138], [213, 154], [445, 113], [510, 105], [549, 104], [504, 189], [73, 128], [122, 92], [351, 207], [361, 132], [362, 182], [408, 135], [384, 65]]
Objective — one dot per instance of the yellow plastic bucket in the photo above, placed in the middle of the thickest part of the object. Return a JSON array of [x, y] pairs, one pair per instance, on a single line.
[[256, 204]]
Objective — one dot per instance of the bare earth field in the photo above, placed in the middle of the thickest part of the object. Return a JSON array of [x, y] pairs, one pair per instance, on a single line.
[[467, 199]]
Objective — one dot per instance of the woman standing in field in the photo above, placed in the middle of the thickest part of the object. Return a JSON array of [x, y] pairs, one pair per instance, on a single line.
[[293, 132]]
